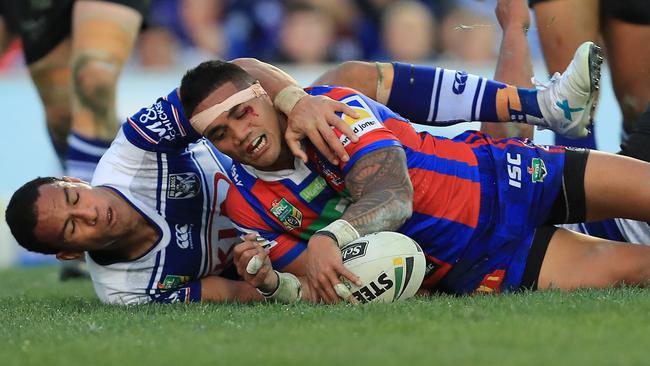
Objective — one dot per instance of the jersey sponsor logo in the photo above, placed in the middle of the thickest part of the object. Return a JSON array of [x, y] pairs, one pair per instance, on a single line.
[[514, 169], [313, 189], [460, 80], [157, 121], [537, 170], [355, 250], [183, 235], [172, 282], [183, 185], [235, 176], [362, 125], [287, 213], [491, 283]]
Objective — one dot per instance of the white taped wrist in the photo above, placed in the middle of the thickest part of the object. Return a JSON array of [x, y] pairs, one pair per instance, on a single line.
[[287, 98], [343, 231], [289, 289]]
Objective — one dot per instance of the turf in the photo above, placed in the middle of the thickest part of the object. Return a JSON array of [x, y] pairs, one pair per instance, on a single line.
[[45, 322]]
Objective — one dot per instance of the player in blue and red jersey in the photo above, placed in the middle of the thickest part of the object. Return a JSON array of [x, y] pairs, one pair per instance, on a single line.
[[478, 207]]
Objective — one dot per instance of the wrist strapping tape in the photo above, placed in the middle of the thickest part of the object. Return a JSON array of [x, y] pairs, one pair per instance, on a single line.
[[289, 289], [288, 97], [343, 231]]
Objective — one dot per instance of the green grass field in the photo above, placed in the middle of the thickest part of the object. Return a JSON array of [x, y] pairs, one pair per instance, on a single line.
[[45, 322]]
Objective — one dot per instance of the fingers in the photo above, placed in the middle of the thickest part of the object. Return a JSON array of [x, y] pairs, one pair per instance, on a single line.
[[332, 290], [325, 288], [350, 276], [344, 293], [254, 265], [340, 124], [295, 146], [319, 143], [342, 107], [333, 142]]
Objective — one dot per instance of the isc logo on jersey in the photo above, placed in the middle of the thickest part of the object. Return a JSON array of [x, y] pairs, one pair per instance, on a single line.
[[362, 125]]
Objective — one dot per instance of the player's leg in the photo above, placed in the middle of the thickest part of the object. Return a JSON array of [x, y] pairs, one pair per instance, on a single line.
[[103, 35], [615, 186], [628, 52], [638, 141], [597, 185], [51, 76], [574, 260], [562, 27], [437, 96]]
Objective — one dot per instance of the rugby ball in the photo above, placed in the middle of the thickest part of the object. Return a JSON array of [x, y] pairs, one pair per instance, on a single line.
[[391, 267]]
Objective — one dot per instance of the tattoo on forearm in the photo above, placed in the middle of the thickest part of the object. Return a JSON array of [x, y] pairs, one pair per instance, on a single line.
[[381, 190]]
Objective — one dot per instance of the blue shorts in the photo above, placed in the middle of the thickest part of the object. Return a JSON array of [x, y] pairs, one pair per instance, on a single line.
[[520, 183]]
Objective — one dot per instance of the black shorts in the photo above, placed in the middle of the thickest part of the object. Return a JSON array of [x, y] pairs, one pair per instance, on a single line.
[[541, 239], [570, 205], [629, 11], [44, 25]]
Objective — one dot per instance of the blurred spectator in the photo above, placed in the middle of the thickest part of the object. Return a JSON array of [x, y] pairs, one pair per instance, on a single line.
[[202, 22], [469, 36], [369, 24], [175, 29], [252, 28], [157, 48], [409, 32], [307, 35]]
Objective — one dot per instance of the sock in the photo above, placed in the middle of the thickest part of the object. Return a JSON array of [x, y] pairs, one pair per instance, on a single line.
[[438, 97], [83, 156]]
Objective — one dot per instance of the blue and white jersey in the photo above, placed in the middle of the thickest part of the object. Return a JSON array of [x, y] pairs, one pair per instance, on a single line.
[[176, 180]]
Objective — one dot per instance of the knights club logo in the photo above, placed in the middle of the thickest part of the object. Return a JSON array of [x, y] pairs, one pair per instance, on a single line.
[[183, 185], [287, 213]]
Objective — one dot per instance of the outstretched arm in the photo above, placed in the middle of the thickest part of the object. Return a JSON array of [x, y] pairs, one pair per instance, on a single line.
[[514, 65]]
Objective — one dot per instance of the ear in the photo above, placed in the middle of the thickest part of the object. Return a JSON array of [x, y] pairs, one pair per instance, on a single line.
[[68, 256]]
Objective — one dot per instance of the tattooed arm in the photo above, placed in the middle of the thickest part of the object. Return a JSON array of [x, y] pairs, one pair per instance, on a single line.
[[383, 199], [381, 190]]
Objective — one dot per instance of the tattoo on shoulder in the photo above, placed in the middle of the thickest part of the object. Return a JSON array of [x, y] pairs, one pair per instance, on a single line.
[[381, 189]]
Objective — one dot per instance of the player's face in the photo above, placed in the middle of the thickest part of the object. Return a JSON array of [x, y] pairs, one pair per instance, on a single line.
[[250, 132], [81, 217]]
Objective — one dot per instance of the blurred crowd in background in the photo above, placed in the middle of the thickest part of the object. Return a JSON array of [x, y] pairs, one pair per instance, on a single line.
[[305, 32]]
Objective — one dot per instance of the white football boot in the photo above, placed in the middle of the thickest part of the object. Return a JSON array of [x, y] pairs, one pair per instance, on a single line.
[[568, 102]]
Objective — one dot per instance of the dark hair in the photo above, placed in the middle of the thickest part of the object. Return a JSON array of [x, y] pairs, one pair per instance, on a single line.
[[199, 82], [22, 217]]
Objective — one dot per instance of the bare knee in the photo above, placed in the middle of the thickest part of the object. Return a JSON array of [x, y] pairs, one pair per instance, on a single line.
[[95, 80]]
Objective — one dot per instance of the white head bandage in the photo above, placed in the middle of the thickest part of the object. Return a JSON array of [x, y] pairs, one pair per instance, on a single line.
[[202, 120]]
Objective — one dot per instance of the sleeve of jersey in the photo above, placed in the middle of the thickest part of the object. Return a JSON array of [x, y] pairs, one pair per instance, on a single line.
[[369, 127], [249, 217], [190, 292], [162, 127]]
